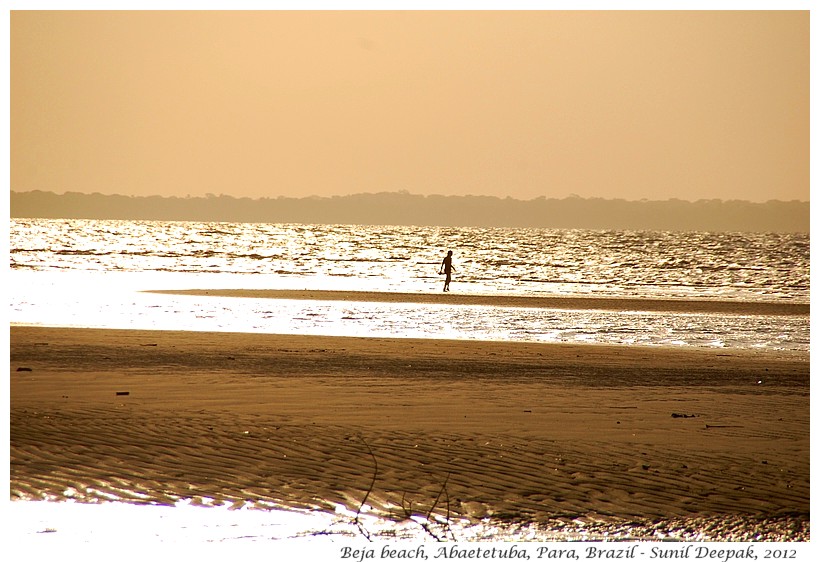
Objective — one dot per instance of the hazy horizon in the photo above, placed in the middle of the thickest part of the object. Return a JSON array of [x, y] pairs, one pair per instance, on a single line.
[[404, 208], [410, 193], [629, 105]]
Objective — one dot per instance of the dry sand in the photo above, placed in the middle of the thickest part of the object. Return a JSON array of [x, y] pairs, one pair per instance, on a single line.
[[707, 444]]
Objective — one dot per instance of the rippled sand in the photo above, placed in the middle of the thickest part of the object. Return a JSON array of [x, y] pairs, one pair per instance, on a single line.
[[542, 440]]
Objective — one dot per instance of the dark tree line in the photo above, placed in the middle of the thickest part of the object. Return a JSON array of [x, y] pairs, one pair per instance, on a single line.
[[432, 210]]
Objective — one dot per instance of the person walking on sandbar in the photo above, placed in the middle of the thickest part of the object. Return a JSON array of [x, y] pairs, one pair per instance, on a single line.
[[447, 268]]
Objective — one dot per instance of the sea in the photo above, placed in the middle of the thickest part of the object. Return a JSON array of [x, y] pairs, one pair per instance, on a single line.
[[100, 273]]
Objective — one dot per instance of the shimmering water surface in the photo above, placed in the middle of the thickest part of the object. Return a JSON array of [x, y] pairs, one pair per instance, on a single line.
[[95, 273]]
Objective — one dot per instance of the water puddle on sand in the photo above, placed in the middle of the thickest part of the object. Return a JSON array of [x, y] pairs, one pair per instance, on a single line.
[[53, 524]]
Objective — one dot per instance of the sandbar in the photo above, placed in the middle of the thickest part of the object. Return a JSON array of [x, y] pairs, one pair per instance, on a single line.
[[714, 306]]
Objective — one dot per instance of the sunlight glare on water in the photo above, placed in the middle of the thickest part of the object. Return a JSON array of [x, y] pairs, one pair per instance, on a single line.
[[522, 261], [95, 274]]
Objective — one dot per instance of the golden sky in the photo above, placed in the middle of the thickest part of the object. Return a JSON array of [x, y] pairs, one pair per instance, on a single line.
[[615, 104]]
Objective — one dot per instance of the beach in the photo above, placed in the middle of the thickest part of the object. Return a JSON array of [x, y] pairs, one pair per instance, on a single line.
[[635, 442]]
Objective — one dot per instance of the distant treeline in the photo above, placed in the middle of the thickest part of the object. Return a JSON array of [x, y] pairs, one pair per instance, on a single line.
[[403, 208]]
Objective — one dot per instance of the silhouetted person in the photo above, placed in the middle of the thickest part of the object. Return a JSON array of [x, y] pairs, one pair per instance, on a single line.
[[447, 268]]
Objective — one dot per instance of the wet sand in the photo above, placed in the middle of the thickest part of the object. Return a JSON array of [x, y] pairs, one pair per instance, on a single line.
[[708, 444], [557, 302]]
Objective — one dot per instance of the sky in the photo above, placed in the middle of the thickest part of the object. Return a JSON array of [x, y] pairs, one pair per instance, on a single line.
[[613, 104]]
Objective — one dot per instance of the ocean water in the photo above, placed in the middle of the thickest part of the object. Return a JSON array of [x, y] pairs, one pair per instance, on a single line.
[[95, 273]]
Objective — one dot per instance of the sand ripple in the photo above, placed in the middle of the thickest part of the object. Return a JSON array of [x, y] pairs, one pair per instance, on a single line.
[[221, 457]]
